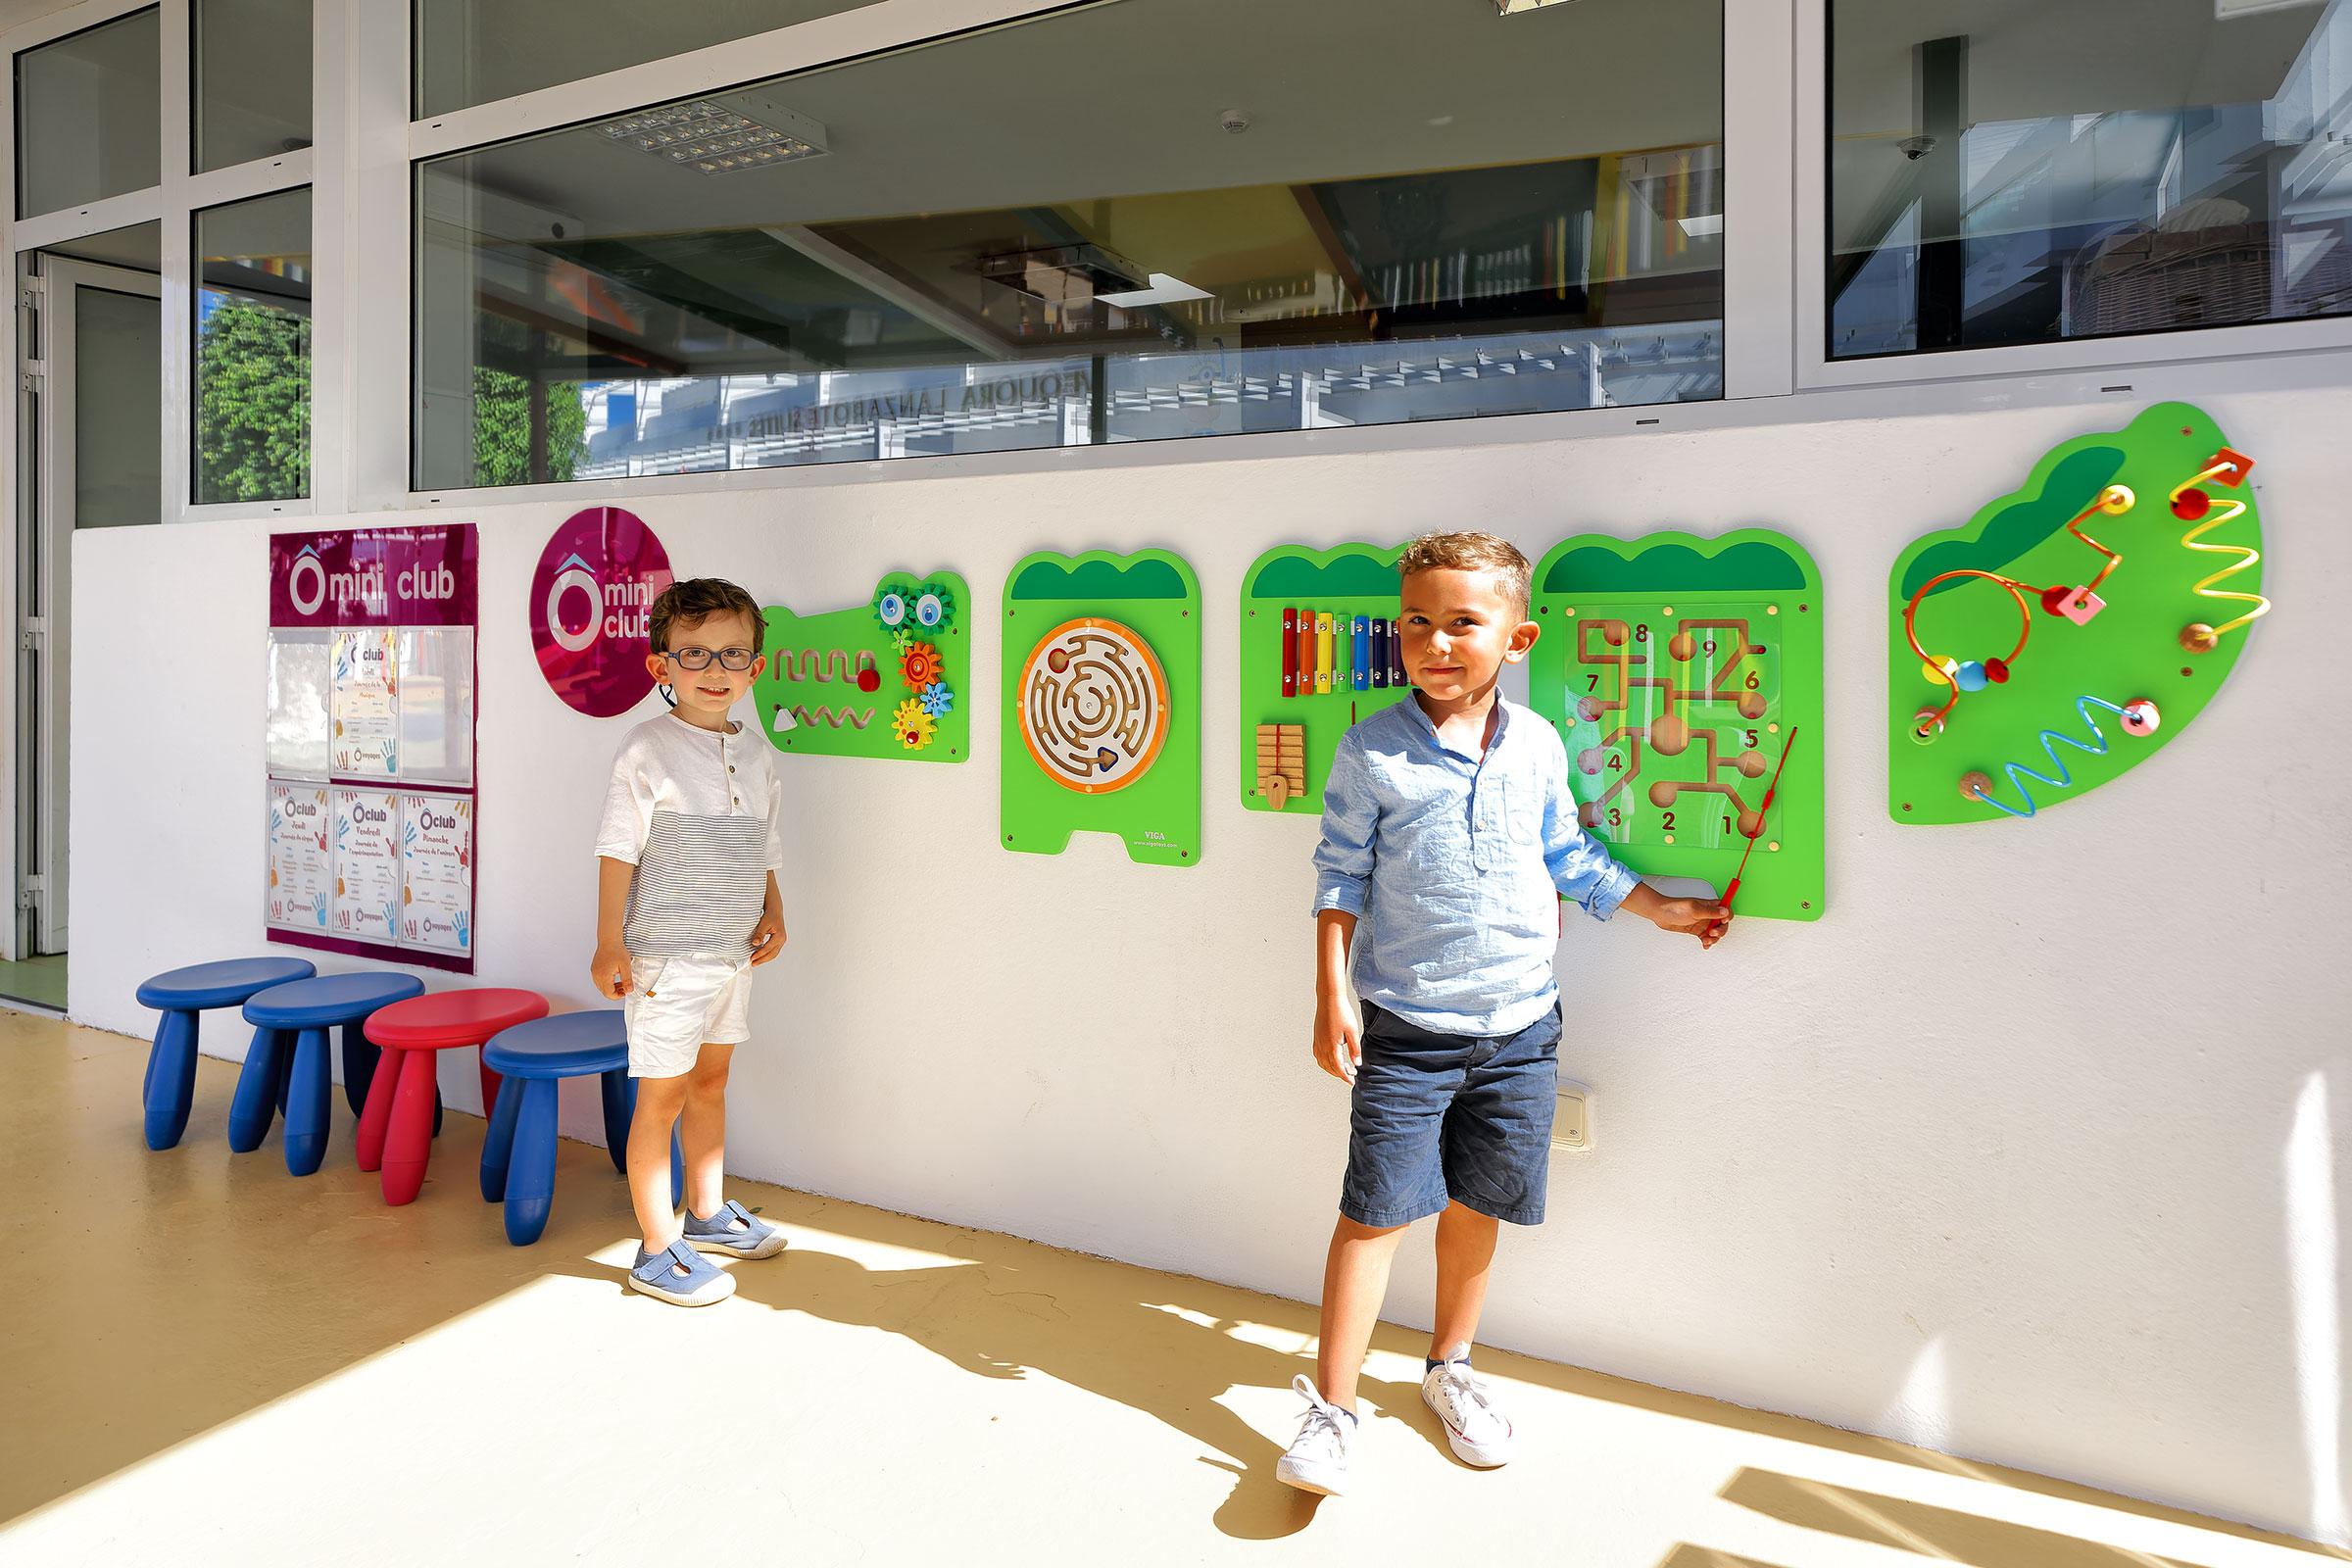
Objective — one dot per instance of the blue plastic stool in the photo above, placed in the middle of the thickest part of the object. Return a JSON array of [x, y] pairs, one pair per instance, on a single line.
[[518, 1158], [305, 1010], [180, 995]]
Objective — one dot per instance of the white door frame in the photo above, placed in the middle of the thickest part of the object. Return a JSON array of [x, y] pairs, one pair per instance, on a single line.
[[47, 565]]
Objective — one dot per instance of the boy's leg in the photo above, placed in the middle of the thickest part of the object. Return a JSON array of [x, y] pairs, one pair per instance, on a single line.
[[659, 1102], [1465, 1252], [704, 1134], [1355, 1278]]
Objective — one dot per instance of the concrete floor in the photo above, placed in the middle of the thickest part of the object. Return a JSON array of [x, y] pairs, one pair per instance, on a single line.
[[207, 1360]]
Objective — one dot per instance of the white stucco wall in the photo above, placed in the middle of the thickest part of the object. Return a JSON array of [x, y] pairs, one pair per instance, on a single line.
[[2037, 1149]]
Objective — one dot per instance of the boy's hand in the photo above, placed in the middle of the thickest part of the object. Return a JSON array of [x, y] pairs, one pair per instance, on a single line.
[[1693, 917], [1338, 1042], [609, 969], [767, 937]]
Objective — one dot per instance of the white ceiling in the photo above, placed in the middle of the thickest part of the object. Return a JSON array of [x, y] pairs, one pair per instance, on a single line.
[[16, 13]]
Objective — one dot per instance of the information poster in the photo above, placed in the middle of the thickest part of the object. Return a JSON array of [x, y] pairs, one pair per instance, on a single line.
[[370, 728], [301, 881], [366, 866], [366, 720], [436, 858]]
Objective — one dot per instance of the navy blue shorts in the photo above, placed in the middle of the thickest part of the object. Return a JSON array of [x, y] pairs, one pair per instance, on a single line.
[[1438, 1118]]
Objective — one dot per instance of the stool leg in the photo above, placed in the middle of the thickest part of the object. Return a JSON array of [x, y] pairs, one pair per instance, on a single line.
[[376, 1117], [170, 1078], [531, 1182], [359, 1067], [489, 1088], [307, 1104], [256, 1105], [409, 1141], [498, 1147], [619, 1103], [436, 1102], [285, 1078]]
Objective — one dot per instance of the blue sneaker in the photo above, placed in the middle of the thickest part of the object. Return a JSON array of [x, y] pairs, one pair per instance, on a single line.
[[681, 1276], [735, 1231]]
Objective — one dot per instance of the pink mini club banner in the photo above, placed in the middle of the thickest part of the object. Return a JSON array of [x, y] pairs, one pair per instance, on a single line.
[[372, 841], [591, 606]]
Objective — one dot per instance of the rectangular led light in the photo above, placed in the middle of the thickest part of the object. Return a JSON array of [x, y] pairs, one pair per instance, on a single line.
[[1164, 290], [1510, 7], [713, 140], [1701, 228]]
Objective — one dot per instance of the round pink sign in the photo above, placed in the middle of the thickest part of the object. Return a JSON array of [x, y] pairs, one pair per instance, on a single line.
[[591, 600]]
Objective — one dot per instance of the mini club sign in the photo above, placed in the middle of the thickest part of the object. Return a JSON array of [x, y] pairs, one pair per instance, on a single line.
[[592, 597]]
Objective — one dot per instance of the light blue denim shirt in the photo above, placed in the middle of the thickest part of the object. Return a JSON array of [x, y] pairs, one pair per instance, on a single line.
[[1451, 864]]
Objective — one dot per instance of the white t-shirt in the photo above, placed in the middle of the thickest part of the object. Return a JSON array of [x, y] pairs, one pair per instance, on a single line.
[[699, 814]]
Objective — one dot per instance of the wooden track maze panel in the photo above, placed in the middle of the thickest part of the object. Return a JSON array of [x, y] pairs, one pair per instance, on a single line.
[[1685, 678], [1102, 704]]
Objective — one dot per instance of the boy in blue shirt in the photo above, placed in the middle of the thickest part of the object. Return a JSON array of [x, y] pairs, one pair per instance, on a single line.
[[1449, 834]]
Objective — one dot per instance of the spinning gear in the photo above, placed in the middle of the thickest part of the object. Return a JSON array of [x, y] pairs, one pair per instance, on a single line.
[[1094, 705], [891, 609], [934, 606], [913, 726], [937, 698], [919, 666]]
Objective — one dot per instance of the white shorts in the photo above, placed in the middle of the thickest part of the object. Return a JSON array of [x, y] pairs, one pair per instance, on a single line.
[[677, 1005]]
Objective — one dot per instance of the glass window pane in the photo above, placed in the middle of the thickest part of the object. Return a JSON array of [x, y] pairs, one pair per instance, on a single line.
[[476, 51], [117, 408], [253, 349], [253, 79], [892, 257], [88, 126], [2027, 174]]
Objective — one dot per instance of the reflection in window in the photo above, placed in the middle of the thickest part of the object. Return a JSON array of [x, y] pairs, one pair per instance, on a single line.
[[253, 350], [253, 79], [88, 126], [477, 51], [2085, 167], [906, 256]]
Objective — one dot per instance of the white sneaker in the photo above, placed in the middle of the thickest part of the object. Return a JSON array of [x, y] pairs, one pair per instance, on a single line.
[[1478, 1434], [1317, 1460]]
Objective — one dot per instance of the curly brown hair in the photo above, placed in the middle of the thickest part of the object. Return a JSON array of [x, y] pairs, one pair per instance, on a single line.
[[691, 601], [1472, 552]]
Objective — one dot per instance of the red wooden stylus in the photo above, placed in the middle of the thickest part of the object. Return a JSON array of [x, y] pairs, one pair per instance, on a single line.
[[1770, 790]]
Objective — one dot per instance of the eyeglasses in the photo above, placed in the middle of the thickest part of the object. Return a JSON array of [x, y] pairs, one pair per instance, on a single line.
[[699, 658]]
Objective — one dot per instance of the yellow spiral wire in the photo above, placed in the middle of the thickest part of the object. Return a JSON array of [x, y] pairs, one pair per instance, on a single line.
[[2226, 510]]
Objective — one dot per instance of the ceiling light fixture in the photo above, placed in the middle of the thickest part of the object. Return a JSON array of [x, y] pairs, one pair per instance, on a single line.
[[1702, 227], [1513, 7], [1164, 290], [711, 140]]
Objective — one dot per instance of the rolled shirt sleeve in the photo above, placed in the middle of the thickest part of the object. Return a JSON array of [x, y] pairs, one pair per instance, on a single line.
[[628, 810], [1585, 872], [1351, 816]]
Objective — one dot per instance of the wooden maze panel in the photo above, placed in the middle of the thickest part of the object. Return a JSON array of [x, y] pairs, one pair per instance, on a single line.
[[1677, 720]]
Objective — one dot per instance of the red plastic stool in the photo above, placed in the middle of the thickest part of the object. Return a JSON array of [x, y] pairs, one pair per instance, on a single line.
[[395, 1126]]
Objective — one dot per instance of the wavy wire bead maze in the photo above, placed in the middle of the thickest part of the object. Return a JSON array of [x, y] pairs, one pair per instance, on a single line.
[[2138, 718]]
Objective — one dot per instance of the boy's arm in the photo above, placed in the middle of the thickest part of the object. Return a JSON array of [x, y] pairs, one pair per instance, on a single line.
[[767, 937], [1589, 875], [610, 968], [1338, 1042], [619, 841], [1344, 862]]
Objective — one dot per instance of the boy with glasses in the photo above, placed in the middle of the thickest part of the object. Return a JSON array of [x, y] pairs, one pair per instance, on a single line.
[[687, 906]]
